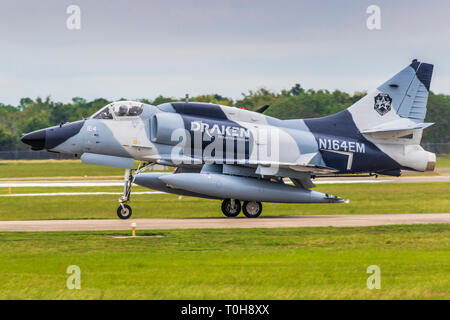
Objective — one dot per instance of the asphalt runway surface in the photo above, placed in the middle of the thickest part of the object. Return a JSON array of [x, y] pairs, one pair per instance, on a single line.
[[215, 223]]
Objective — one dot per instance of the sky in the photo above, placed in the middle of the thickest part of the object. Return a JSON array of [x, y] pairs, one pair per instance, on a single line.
[[141, 49]]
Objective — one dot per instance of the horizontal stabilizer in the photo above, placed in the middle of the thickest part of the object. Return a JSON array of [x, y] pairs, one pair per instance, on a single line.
[[398, 125]]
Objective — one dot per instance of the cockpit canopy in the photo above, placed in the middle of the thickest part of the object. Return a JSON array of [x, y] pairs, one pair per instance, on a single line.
[[119, 109]]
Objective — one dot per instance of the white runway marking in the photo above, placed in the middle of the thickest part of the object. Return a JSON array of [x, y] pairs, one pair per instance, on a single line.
[[116, 184], [349, 181], [72, 194], [60, 184], [109, 184], [43, 183]]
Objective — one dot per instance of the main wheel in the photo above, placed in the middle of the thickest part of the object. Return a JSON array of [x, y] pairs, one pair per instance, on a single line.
[[252, 209], [229, 210], [125, 212]]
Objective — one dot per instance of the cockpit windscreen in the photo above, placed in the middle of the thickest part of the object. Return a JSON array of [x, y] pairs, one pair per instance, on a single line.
[[119, 109]]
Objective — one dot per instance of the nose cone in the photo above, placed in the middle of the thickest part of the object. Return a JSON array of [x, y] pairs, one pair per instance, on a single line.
[[53, 137], [35, 139]]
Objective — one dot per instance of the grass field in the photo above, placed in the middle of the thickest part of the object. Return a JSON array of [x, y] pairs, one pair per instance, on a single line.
[[304, 263], [443, 162], [291, 263], [74, 168], [364, 199]]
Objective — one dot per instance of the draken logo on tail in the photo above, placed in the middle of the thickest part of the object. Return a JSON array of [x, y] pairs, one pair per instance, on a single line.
[[382, 103]]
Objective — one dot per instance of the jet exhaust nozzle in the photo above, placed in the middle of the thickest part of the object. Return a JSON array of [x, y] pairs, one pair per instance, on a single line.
[[431, 162]]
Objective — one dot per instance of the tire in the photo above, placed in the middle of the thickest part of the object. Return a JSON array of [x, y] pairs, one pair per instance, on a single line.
[[125, 212], [227, 210], [252, 209]]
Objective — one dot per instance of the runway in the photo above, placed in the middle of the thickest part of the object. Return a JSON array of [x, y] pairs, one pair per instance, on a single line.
[[217, 223]]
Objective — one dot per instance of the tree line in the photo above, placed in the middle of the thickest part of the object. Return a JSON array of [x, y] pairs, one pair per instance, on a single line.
[[295, 103]]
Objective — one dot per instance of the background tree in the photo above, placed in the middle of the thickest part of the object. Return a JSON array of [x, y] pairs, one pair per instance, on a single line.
[[295, 103]]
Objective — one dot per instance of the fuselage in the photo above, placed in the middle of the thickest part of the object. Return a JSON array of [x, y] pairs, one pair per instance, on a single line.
[[236, 155], [189, 134]]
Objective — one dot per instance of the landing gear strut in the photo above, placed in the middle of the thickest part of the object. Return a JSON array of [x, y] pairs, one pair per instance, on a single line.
[[231, 207], [124, 211]]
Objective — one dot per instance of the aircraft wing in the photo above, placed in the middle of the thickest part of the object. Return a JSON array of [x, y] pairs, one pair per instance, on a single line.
[[286, 169], [302, 164], [306, 168]]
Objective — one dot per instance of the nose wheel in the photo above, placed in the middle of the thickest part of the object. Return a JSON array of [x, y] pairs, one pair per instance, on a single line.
[[124, 211]]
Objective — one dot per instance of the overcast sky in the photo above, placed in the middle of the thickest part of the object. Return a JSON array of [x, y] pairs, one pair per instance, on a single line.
[[138, 49]]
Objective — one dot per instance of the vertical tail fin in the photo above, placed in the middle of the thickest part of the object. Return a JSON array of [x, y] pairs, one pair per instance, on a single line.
[[414, 95], [402, 99], [392, 116]]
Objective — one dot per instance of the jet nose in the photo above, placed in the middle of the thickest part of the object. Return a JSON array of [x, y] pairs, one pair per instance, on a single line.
[[35, 139]]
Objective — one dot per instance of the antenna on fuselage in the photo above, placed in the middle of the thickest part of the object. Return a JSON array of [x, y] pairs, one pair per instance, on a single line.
[[187, 98]]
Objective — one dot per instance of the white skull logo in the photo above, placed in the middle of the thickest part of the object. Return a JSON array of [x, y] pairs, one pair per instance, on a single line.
[[382, 103]]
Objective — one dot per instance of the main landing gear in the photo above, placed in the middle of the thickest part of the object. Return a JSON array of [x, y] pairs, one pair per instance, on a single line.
[[232, 208], [124, 211], [252, 209]]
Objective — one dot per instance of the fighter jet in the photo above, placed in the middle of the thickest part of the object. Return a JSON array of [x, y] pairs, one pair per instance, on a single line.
[[244, 158]]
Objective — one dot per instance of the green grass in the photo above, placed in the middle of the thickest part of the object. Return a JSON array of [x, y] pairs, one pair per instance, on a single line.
[[297, 263], [53, 168], [364, 199], [116, 189], [443, 162], [74, 168]]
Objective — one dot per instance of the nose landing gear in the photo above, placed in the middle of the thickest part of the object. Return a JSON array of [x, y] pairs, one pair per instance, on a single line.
[[124, 211]]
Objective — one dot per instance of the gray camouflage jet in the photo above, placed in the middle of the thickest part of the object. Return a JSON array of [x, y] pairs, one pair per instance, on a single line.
[[236, 155]]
